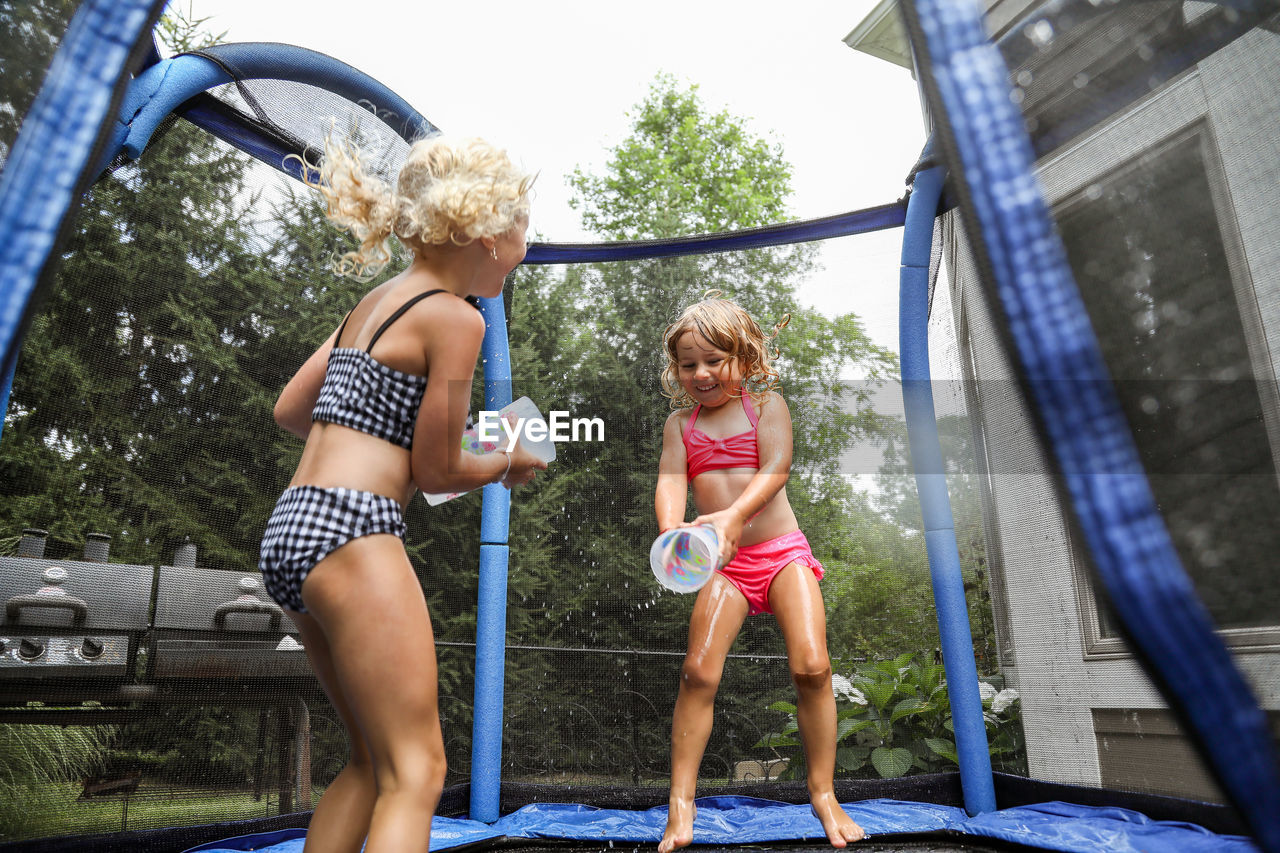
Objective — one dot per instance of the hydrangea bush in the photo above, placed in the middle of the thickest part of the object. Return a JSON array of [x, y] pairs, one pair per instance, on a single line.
[[893, 718]]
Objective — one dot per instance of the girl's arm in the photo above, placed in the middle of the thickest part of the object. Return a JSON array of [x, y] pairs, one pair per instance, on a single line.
[[672, 495], [298, 399], [439, 463], [773, 442]]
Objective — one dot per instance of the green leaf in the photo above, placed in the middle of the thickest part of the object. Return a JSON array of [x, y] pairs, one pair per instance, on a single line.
[[784, 707], [855, 711], [879, 695], [908, 707], [852, 758], [943, 747], [891, 763]]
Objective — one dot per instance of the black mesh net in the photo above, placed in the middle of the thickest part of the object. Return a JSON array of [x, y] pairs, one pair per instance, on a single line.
[[1153, 123], [140, 462]]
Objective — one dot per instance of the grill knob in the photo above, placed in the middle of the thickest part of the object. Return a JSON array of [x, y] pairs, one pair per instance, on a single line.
[[29, 649], [91, 648]]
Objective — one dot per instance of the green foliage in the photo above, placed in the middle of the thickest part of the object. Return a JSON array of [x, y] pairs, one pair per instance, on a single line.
[[181, 31], [894, 718], [34, 757], [32, 31], [899, 500], [699, 171]]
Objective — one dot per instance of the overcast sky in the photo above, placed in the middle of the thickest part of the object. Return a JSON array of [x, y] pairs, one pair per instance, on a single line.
[[553, 82]]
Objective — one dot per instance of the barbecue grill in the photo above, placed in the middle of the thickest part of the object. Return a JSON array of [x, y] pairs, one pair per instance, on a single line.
[[69, 627], [85, 642], [218, 630]]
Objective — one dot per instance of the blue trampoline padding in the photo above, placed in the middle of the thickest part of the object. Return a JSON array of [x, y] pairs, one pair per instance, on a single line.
[[1087, 829], [745, 820], [446, 832], [277, 841], [53, 149], [721, 820]]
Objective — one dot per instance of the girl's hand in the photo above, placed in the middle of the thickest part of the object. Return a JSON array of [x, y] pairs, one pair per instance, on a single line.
[[524, 467], [728, 524]]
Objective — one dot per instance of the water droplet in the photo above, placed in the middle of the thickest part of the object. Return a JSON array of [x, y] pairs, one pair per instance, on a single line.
[[1040, 33]]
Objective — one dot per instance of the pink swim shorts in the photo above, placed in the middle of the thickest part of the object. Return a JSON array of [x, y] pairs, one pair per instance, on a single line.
[[754, 567]]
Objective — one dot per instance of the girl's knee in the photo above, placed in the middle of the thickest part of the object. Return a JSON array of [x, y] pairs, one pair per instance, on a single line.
[[700, 675], [419, 776], [812, 675]]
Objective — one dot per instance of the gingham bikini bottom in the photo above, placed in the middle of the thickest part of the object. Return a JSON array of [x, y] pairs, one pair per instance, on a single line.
[[308, 524]]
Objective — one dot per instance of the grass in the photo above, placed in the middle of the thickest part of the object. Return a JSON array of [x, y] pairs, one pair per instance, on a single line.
[[54, 809]]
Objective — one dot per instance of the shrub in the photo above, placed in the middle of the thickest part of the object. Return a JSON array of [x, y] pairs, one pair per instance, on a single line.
[[893, 718]]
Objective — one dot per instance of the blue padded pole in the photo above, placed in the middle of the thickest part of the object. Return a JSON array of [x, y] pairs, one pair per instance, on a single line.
[[164, 86], [154, 94], [491, 615], [935, 505]]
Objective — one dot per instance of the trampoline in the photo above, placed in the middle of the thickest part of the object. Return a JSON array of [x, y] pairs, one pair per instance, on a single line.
[[1054, 619]]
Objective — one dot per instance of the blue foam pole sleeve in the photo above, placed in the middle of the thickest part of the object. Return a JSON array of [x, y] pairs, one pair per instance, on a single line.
[[935, 504], [156, 92], [486, 733], [491, 606]]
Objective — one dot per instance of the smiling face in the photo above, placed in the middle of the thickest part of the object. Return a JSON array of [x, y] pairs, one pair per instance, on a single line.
[[707, 374]]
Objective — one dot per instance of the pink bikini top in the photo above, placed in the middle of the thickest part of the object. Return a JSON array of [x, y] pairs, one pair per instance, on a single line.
[[704, 453]]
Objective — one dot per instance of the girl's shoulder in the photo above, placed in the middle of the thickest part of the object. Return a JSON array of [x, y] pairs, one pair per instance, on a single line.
[[770, 403], [680, 417]]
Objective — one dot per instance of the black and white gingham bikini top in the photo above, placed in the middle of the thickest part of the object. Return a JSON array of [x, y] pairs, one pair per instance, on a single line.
[[362, 393]]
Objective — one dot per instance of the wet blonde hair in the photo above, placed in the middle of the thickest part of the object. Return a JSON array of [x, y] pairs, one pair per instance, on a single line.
[[730, 329], [449, 192]]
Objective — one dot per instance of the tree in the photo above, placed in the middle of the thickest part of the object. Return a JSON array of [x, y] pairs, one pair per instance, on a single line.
[[136, 410], [901, 503], [32, 32]]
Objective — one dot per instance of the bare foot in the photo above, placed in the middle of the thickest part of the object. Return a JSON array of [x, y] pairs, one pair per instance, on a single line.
[[839, 827], [679, 832]]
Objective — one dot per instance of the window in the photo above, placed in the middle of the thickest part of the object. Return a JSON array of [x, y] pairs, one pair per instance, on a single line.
[[1177, 330]]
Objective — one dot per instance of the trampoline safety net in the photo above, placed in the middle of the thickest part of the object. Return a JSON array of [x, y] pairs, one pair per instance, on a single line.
[[139, 462]]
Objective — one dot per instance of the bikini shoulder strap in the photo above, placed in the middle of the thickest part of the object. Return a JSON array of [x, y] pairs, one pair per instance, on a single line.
[[398, 314], [688, 427], [750, 410], [337, 342]]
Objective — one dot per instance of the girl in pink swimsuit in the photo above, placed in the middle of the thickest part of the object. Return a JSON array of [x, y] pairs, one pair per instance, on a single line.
[[730, 440]]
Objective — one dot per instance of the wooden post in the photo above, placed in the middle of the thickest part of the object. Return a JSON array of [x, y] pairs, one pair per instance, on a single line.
[[302, 754]]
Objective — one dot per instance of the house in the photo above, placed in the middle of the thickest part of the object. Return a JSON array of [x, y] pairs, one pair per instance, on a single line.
[[1153, 126]]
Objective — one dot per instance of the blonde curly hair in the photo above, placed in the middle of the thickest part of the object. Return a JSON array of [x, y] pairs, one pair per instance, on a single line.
[[449, 192], [728, 328]]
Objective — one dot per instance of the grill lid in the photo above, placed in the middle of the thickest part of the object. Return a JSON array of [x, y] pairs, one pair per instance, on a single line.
[[39, 593], [190, 599]]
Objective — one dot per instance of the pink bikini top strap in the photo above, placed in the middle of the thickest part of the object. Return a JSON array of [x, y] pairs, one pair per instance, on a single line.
[[688, 427], [750, 410]]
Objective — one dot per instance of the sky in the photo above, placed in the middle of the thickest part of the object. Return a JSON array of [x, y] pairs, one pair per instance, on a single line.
[[554, 81]]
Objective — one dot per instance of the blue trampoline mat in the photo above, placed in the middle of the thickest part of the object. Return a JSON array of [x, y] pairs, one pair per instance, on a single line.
[[746, 820]]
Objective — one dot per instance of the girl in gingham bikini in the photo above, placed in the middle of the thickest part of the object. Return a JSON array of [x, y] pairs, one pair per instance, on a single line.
[[733, 447], [382, 406]]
